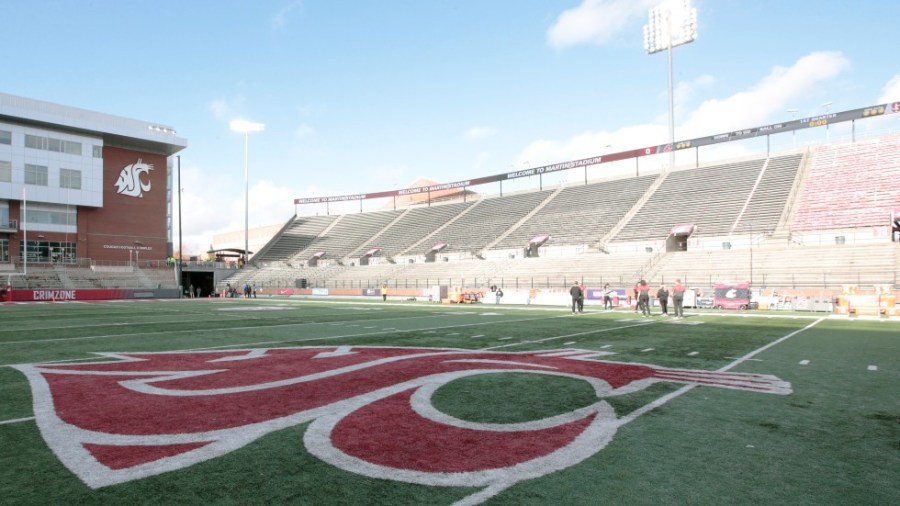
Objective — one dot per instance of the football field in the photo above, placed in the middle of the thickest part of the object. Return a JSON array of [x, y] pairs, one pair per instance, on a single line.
[[311, 401]]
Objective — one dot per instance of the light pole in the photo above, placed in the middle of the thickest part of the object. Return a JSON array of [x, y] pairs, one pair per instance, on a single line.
[[245, 127], [669, 25], [827, 106], [793, 113], [180, 249]]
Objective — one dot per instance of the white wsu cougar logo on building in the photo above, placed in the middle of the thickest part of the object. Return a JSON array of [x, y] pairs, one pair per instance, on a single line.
[[130, 183]]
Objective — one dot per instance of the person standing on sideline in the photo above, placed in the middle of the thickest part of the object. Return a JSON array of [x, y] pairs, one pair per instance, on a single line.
[[663, 296], [577, 298], [384, 292], [583, 295], [191, 291], [607, 297], [644, 297], [637, 298], [498, 295], [678, 299]]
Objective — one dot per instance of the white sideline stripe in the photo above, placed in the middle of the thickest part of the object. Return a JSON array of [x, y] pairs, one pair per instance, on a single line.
[[873, 368], [599, 331], [804, 362], [16, 420], [630, 417]]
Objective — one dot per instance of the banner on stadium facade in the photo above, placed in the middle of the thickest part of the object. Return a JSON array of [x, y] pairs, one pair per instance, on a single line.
[[786, 126]]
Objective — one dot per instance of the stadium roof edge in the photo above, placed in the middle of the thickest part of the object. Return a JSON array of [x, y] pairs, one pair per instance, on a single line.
[[115, 130]]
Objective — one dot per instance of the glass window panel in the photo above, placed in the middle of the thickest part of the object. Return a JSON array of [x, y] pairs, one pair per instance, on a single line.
[[5, 171], [5, 137], [72, 148], [33, 141], [69, 178]]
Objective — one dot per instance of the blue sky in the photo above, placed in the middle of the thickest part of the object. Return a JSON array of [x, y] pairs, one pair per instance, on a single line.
[[363, 96]]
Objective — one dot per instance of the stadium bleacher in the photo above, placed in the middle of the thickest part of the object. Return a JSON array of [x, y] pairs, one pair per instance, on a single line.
[[752, 205]]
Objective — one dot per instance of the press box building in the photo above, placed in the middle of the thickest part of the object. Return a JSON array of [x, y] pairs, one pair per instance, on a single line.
[[79, 184]]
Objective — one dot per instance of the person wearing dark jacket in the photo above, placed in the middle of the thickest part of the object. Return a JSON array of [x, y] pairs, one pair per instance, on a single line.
[[577, 298], [662, 295], [644, 297]]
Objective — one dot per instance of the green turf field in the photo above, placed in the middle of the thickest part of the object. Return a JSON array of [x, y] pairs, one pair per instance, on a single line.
[[373, 403]]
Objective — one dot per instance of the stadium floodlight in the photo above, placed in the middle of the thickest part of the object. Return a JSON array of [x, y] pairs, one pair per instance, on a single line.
[[245, 127], [670, 24]]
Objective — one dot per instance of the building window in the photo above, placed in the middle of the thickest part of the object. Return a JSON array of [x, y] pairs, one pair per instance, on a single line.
[[5, 137], [69, 178], [35, 174], [5, 171], [49, 251], [98, 151], [4, 250], [62, 216], [50, 144]]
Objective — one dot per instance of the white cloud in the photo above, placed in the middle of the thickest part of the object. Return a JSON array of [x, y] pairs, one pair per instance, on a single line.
[[596, 21], [891, 91], [224, 109], [304, 130], [280, 19], [773, 94], [754, 106], [478, 133]]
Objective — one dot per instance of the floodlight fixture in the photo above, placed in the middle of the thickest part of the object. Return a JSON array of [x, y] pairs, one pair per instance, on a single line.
[[670, 24], [243, 126]]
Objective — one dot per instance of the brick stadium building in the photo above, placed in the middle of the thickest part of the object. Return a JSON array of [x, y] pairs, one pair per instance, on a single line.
[[80, 185]]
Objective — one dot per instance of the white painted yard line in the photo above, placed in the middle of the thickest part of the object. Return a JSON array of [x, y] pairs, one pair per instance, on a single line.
[[589, 332], [229, 329], [478, 335], [505, 338], [569, 343], [630, 417], [16, 420], [645, 350], [872, 368], [804, 362], [365, 334], [606, 346], [691, 354]]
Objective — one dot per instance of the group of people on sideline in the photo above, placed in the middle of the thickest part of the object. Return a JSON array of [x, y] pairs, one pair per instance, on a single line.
[[641, 296]]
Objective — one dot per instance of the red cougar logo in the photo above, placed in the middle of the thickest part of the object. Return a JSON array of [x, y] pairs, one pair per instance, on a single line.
[[370, 408]]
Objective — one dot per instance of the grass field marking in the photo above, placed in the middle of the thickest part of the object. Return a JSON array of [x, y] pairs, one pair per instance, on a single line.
[[552, 338], [630, 417], [16, 420], [258, 327], [477, 335], [606, 346], [366, 334], [872, 368], [645, 350], [691, 354], [804, 362]]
